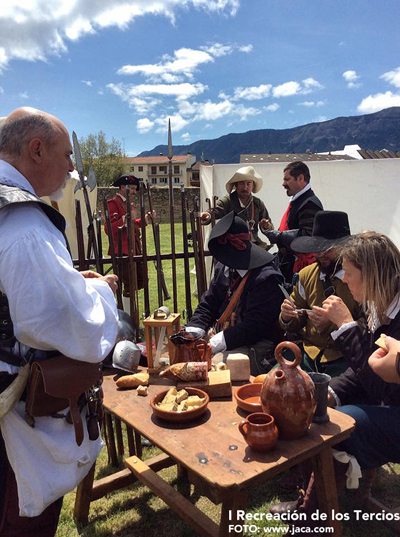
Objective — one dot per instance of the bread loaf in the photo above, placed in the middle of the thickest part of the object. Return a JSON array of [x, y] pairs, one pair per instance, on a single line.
[[133, 381]]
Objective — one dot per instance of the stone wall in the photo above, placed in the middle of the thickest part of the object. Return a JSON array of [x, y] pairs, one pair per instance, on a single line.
[[160, 198]]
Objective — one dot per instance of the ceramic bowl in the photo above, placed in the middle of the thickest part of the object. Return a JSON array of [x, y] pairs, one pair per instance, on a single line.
[[180, 417], [248, 397]]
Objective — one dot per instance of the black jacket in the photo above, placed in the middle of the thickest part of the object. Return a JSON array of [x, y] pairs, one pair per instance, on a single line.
[[258, 309], [359, 384]]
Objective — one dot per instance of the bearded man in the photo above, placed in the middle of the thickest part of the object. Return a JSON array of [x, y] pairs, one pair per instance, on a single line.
[[240, 199], [316, 282]]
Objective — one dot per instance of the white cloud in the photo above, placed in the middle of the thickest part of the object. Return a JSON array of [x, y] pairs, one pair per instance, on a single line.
[[141, 97], [319, 119], [217, 49], [177, 123], [312, 103], [380, 101], [1, 91], [183, 64], [351, 78], [144, 125], [23, 95], [253, 93], [286, 89], [244, 112], [186, 136], [310, 85], [87, 83], [33, 31], [393, 77], [272, 107], [246, 48]]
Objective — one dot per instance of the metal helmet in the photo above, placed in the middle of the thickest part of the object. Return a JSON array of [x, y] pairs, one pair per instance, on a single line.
[[126, 356], [125, 333], [126, 329]]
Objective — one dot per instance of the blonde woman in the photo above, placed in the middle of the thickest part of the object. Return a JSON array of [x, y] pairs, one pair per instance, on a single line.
[[371, 263]]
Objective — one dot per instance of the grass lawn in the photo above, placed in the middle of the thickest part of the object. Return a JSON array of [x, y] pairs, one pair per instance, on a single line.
[[136, 512]]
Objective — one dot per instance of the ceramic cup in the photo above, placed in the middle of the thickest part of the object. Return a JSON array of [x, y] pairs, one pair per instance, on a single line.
[[259, 431], [321, 382]]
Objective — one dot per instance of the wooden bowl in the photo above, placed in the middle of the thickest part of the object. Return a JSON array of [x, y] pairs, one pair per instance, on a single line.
[[248, 397], [180, 417]]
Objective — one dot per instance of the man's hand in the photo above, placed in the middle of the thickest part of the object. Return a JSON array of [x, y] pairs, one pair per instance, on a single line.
[[205, 217], [336, 311], [319, 318], [150, 216], [384, 363], [288, 311], [265, 224], [110, 279]]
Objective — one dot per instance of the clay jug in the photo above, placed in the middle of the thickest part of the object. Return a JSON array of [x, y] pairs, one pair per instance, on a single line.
[[190, 348], [259, 431], [288, 394]]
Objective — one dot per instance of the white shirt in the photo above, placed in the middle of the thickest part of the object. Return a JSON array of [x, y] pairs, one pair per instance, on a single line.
[[52, 307], [307, 187]]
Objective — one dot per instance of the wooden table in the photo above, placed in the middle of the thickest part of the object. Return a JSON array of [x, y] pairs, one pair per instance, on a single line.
[[215, 457]]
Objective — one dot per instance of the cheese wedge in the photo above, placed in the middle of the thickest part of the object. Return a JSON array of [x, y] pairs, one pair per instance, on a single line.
[[381, 342]]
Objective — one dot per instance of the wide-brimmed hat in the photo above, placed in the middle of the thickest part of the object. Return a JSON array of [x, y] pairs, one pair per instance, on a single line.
[[127, 179], [331, 228], [247, 173], [230, 244]]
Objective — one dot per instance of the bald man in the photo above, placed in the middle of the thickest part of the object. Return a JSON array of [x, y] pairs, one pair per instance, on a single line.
[[45, 306]]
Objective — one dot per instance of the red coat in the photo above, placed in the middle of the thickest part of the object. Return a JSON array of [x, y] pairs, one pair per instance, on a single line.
[[117, 210]]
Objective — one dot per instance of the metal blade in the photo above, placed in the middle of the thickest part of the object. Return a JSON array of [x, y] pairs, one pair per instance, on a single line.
[[91, 179], [169, 140], [78, 157], [285, 293], [77, 187]]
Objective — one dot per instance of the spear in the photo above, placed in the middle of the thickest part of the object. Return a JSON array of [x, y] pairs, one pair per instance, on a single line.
[[144, 248], [112, 253], [133, 282], [79, 167], [188, 295], [172, 218]]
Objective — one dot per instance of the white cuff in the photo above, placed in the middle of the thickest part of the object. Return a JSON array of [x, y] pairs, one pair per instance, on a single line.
[[336, 333], [218, 343], [195, 330], [353, 472]]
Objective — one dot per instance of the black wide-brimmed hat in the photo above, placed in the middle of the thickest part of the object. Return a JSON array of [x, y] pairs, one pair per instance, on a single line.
[[331, 228], [127, 180], [230, 244]]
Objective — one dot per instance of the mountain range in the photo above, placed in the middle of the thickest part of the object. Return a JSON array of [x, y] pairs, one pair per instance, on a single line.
[[377, 131]]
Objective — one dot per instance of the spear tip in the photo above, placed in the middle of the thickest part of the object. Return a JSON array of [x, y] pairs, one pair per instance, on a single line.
[[169, 140]]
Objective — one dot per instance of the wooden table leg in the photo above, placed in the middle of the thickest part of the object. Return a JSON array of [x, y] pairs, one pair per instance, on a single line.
[[112, 451], [131, 441], [118, 434], [84, 497], [230, 507], [326, 490]]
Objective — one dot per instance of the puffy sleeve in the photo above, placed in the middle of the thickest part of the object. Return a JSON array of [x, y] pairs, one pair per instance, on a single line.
[[53, 307]]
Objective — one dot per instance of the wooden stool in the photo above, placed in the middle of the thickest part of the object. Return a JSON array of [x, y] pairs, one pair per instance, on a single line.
[[172, 325]]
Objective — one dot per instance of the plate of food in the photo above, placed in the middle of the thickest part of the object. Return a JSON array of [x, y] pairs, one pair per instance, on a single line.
[[180, 406], [248, 397]]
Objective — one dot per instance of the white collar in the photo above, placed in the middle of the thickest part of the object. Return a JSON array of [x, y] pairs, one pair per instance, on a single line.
[[307, 187], [394, 308], [339, 274], [12, 177], [121, 196], [241, 272]]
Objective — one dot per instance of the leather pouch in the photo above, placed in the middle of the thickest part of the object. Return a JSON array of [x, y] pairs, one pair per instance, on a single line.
[[56, 383]]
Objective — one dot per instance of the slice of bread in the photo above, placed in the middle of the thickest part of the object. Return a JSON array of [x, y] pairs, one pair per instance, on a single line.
[[381, 342]]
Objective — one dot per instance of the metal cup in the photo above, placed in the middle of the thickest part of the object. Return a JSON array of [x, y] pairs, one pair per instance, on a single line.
[[321, 383]]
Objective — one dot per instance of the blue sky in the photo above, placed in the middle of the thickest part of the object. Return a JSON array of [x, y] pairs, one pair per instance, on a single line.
[[212, 66]]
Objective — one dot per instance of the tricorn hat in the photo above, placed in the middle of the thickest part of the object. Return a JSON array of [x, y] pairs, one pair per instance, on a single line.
[[331, 228], [230, 244], [127, 179], [247, 173]]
